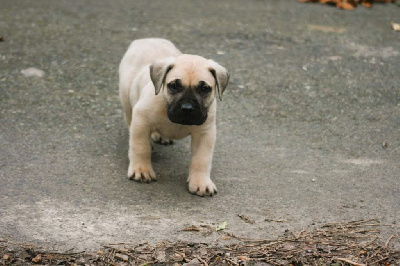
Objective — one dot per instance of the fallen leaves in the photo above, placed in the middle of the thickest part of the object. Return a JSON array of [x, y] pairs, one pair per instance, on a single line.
[[347, 4], [344, 243], [354, 243]]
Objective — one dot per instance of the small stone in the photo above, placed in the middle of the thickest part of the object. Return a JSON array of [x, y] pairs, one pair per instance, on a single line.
[[6, 257], [32, 72], [384, 145]]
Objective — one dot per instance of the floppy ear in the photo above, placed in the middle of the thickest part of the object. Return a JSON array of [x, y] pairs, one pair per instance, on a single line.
[[221, 77], [158, 71]]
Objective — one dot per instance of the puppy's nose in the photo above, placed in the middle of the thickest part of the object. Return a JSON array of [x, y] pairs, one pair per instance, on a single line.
[[187, 108]]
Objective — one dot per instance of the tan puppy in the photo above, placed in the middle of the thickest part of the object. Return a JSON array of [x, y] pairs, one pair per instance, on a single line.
[[169, 95]]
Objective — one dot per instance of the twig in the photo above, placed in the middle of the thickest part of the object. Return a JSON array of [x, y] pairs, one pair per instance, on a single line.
[[362, 225], [363, 221], [121, 243], [231, 261], [299, 234], [370, 242], [376, 262], [276, 221], [387, 241], [202, 261], [349, 262], [366, 231], [66, 254]]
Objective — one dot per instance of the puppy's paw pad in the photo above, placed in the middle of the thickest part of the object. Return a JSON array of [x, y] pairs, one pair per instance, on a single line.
[[202, 188], [156, 137], [141, 174]]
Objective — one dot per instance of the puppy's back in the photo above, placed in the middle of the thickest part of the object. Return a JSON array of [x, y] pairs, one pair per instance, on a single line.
[[143, 52]]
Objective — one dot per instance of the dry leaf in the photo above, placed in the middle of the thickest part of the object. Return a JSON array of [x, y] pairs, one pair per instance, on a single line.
[[367, 4], [243, 258], [221, 226], [395, 26], [346, 5], [37, 258], [193, 228]]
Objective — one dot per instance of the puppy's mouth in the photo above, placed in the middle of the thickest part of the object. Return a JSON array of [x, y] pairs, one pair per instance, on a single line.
[[187, 113]]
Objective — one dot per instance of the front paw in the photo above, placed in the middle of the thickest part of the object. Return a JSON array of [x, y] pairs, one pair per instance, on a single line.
[[141, 174], [202, 186]]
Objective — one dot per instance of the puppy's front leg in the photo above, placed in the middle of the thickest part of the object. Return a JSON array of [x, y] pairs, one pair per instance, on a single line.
[[200, 167], [140, 168]]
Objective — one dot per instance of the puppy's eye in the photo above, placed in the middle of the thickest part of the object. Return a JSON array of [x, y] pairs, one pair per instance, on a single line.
[[174, 87], [205, 89]]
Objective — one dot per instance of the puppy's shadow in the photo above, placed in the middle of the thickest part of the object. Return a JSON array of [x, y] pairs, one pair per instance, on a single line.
[[171, 162]]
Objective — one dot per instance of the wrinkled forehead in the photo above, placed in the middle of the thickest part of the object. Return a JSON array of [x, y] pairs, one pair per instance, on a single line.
[[191, 70]]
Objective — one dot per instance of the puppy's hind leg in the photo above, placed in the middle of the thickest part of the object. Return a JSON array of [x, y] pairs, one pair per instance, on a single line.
[[156, 138], [126, 105]]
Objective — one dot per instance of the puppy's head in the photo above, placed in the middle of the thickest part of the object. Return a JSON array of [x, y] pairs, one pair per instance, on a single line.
[[189, 84]]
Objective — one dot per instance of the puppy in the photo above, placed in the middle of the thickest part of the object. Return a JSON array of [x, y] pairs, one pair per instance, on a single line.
[[168, 95]]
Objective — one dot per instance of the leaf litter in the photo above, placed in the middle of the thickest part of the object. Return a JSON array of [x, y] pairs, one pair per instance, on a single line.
[[352, 243], [348, 4]]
